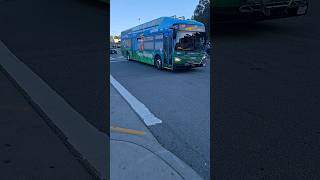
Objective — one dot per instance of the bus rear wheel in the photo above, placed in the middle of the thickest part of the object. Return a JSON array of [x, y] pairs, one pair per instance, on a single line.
[[158, 63], [128, 57]]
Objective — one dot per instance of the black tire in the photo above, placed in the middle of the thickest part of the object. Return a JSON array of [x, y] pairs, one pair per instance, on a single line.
[[157, 62], [128, 57]]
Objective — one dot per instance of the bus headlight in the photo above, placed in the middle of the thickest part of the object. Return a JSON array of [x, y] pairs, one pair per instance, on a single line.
[[204, 57], [176, 59]]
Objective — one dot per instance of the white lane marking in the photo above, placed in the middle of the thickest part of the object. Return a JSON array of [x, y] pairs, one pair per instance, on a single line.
[[118, 61], [144, 113]]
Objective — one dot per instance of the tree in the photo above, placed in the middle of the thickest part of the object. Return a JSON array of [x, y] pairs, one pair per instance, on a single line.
[[111, 38], [202, 14]]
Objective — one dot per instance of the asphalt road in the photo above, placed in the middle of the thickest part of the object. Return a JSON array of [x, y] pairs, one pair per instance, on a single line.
[[266, 86], [29, 149], [180, 99], [64, 42]]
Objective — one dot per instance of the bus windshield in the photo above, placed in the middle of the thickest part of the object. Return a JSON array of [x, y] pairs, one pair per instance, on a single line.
[[189, 41]]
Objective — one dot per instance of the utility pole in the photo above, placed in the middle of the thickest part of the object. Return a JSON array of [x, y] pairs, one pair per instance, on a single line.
[[141, 25]]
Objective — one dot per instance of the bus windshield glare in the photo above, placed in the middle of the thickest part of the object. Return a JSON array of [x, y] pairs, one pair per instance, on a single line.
[[189, 41]]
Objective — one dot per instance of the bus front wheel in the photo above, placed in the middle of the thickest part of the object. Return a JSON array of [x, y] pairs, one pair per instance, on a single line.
[[158, 63]]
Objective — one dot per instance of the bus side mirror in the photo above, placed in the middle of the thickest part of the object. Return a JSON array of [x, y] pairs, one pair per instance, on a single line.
[[174, 35]]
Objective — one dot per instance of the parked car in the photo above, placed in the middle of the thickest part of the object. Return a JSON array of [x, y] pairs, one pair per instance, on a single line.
[[208, 47], [113, 51], [225, 10]]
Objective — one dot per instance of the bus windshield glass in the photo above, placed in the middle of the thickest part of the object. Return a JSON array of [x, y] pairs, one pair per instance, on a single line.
[[189, 41]]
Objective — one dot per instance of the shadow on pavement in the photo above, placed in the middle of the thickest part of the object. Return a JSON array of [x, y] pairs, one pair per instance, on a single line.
[[248, 28], [94, 3]]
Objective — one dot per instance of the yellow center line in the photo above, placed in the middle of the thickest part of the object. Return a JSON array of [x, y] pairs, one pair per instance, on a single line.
[[126, 130]]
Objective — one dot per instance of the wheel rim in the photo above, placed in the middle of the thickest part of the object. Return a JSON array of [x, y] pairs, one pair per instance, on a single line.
[[158, 63]]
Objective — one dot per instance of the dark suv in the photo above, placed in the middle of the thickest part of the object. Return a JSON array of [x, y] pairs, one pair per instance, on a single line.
[[113, 51]]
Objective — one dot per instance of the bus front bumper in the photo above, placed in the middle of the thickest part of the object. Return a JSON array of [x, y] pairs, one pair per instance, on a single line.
[[188, 65]]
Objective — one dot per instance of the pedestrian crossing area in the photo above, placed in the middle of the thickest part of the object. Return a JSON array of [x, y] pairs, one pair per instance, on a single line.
[[117, 59]]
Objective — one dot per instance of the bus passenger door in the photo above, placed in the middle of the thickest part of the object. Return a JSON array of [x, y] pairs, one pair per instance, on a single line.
[[167, 46], [140, 49]]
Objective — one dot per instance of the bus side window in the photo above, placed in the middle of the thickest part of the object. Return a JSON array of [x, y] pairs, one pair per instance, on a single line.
[[158, 42], [148, 43], [135, 44], [140, 44], [129, 43]]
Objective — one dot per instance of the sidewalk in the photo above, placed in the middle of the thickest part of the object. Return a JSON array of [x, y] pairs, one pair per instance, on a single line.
[[140, 157], [29, 149]]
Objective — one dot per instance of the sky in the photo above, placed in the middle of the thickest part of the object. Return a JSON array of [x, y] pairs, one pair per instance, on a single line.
[[125, 14]]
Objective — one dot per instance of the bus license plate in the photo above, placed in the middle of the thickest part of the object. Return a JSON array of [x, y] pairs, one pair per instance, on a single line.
[[302, 10]]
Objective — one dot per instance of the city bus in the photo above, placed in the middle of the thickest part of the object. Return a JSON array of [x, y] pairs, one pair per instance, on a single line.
[[258, 9], [167, 43]]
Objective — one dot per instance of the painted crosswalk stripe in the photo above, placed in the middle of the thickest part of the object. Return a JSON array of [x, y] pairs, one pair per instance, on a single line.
[[118, 61], [143, 112]]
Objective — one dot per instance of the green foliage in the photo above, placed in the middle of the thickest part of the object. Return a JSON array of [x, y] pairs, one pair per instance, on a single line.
[[202, 14]]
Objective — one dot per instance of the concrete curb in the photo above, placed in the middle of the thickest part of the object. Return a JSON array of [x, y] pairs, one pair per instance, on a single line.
[[184, 170], [144, 165], [85, 141], [150, 143]]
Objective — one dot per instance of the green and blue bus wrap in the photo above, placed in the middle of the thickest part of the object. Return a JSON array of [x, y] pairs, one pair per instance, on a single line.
[[166, 42]]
